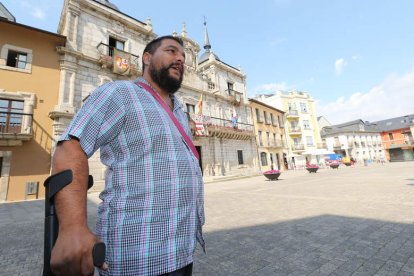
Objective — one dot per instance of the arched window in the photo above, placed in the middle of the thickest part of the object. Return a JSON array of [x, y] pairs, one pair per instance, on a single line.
[[263, 158]]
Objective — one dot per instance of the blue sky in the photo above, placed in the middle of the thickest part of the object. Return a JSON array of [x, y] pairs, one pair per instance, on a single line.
[[355, 58]]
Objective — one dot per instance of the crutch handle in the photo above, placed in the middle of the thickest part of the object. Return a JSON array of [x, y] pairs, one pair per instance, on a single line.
[[53, 185]]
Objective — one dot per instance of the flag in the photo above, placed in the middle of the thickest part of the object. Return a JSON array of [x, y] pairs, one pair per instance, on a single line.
[[121, 62], [199, 106]]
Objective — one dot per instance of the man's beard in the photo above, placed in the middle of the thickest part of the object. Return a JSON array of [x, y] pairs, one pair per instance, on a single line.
[[164, 80]]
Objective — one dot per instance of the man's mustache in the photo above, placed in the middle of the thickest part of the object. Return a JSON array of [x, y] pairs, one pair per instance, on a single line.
[[178, 66]]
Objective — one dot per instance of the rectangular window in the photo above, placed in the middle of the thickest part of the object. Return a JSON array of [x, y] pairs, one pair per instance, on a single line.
[[309, 141], [240, 157], [268, 138], [278, 120], [391, 136], [265, 117], [303, 108], [115, 44], [272, 119], [16, 59], [306, 124], [260, 138], [230, 88], [11, 116], [190, 108], [211, 85], [258, 117]]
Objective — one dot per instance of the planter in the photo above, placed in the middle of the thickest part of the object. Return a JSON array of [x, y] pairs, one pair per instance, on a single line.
[[312, 170], [334, 166], [272, 176]]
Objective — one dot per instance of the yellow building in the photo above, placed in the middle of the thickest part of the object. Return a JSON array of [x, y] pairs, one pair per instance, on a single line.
[[304, 141], [29, 87], [270, 135]]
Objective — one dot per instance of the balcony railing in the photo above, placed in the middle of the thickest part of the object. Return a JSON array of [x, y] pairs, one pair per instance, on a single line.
[[276, 144], [106, 58], [222, 128], [234, 96], [15, 126], [294, 130], [321, 145], [292, 113], [297, 147]]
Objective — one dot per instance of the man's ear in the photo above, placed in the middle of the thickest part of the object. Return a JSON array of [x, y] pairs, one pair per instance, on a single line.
[[146, 58]]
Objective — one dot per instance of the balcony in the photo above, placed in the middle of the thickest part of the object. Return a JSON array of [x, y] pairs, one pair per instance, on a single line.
[[221, 128], [399, 143], [321, 145], [298, 147], [235, 97], [15, 127], [295, 130], [278, 144], [107, 56], [293, 113]]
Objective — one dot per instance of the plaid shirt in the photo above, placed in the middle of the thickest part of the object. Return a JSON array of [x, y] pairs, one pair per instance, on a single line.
[[152, 206]]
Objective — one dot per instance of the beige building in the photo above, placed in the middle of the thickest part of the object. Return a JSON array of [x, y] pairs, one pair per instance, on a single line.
[[270, 136], [29, 87], [303, 138]]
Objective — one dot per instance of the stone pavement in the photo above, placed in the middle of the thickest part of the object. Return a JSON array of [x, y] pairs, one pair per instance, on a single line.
[[350, 221]]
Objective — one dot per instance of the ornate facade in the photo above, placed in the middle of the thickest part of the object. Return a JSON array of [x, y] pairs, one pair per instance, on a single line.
[[98, 33]]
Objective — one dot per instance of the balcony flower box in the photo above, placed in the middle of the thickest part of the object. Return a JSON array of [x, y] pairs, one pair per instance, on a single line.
[[272, 175], [311, 168]]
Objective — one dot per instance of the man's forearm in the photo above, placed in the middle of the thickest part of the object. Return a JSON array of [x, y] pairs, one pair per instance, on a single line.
[[70, 202]]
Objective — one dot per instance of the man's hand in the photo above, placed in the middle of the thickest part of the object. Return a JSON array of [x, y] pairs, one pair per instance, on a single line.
[[72, 253]]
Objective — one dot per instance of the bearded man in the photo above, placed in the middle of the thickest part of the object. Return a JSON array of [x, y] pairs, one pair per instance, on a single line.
[[151, 213]]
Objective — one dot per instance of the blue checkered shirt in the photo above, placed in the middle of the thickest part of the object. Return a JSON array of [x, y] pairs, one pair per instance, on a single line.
[[152, 212]]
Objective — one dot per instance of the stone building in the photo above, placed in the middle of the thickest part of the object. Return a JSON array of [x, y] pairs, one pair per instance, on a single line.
[[99, 34], [29, 86]]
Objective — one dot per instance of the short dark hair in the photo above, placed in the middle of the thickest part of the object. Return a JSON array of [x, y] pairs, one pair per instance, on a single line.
[[153, 45]]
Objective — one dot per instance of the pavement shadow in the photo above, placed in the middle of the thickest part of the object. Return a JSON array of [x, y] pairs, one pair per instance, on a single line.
[[22, 235], [411, 184], [322, 245]]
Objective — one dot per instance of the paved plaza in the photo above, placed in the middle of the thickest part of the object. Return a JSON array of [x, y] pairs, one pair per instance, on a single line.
[[349, 221]]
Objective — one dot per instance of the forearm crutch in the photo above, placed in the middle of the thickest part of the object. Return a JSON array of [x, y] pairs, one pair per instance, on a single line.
[[53, 185]]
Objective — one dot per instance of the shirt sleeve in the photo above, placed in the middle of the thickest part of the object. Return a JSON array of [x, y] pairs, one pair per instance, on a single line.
[[99, 120]]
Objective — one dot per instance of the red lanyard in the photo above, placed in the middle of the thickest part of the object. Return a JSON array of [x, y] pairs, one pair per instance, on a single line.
[[175, 121]]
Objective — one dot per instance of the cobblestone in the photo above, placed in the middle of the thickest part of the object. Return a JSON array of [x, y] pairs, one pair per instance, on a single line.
[[350, 221]]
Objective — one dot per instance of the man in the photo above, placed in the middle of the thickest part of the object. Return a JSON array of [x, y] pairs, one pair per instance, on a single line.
[[152, 211]]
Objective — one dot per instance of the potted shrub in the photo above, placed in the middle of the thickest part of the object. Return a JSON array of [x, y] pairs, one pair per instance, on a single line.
[[272, 174], [312, 168], [334, 164]]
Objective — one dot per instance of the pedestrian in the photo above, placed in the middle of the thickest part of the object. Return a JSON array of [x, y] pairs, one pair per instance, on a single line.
[[151, 214]]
